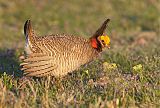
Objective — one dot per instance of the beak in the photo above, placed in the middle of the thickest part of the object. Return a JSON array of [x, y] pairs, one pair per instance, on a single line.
[[108, 46]]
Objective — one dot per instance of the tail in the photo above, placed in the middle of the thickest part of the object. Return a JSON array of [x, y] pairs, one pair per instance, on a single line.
[[101, 30], [29, 33]]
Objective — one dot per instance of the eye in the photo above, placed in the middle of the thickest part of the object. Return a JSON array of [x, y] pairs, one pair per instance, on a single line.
[[103, 42]]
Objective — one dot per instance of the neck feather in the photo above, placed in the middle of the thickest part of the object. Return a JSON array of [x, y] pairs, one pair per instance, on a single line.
[[96, 44]]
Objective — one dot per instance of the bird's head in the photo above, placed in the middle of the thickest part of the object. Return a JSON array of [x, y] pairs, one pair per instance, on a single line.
[[104, 41], [99, 40]]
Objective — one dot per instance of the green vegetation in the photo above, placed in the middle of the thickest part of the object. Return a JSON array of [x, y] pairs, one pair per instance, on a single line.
[[127, 75]]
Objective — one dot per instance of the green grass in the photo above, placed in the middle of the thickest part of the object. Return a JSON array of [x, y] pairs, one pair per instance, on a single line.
[[135, 41]]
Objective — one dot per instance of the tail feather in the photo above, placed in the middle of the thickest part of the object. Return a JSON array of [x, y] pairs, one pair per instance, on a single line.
[[28, 32]]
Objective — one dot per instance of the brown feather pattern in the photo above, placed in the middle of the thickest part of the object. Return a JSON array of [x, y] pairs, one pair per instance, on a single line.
[[55, 55], [58, 55]]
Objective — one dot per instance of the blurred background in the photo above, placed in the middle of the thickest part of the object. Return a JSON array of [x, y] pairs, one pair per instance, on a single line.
[[78, 17], [134, 25]]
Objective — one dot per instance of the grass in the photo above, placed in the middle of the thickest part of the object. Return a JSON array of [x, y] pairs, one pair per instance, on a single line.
[[127, 75]]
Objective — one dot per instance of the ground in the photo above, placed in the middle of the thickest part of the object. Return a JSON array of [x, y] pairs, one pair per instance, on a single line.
[[127, 75]]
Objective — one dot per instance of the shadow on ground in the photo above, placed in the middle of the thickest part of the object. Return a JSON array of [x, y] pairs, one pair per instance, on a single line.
[[9, 63]]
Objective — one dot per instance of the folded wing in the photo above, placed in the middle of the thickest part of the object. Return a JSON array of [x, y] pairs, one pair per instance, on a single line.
[[38, 65]]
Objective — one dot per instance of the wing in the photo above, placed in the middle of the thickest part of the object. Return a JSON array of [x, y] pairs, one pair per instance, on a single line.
[[62, 43], [38, 65]]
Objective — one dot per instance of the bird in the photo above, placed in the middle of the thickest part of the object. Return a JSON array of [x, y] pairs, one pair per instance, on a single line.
[[60, 54]]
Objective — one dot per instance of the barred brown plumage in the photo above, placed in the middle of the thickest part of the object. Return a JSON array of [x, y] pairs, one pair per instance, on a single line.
[[57, 55]]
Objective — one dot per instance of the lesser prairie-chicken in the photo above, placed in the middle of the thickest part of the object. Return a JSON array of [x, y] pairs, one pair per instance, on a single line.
[[57, 55]]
